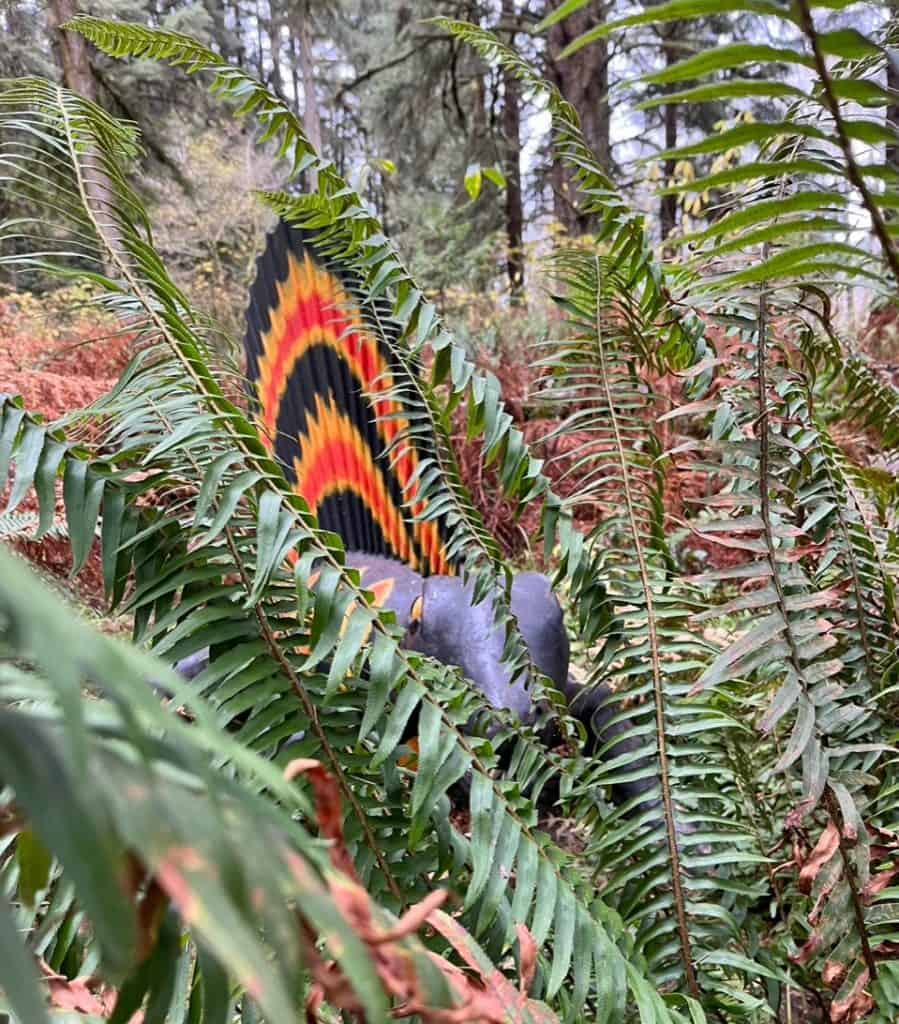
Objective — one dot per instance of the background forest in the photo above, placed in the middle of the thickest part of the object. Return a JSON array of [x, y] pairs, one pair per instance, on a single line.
[[639, 262], [424, 127]]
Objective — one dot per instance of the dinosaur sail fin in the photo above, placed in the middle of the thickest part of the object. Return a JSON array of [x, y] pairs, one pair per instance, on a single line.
[[316, 372]]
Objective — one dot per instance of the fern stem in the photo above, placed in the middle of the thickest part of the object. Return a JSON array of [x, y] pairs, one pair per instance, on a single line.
[[664, 768], [854, 571], [852, 881], [761, 379], [311, 711], [852, 170], [830, 803]]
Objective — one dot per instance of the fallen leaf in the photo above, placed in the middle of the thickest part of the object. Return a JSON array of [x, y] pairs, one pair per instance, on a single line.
[[825, 848]]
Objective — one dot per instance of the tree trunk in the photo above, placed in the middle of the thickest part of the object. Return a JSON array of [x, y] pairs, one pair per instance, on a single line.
[[260, 49], [511, 143], [72, 51], [311, 114], [274, 38], [294, 71], [73, 54], [583, 80], [892, 149], [241, 51], [217, 15], [668, 204]]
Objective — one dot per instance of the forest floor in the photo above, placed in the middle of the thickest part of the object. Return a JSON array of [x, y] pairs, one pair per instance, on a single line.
[[59, 360], [60, 354]]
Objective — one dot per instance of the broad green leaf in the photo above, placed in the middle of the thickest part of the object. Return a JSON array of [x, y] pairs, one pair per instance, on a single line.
[[12, 417], [230, 498], [800, 260], [770, 209], [45, 484], [495, 174], [28, 456], [801, 734], [18, 976], [215, 987], [385, 670], [727, 664], [752, 172], [725, 58], [545, 906], [81, 840], [743, 135], [848, 43], [354, 632], [473, 178], [35, 863], [563, 943], [715, 92], [497, 886], [405, 705], [862, 91], [487, 819], [83, 494], [676, 10], [212, 481]]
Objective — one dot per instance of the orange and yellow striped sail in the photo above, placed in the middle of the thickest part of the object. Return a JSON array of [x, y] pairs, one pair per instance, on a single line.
[[322, 384]]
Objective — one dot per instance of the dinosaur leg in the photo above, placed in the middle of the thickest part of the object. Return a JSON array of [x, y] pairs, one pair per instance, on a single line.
[[597, 709]]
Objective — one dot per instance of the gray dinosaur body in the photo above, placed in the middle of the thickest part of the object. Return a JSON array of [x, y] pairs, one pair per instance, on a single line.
[[441, 621]]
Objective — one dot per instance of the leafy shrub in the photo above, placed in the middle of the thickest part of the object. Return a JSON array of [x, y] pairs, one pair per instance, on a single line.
[[764, 689]]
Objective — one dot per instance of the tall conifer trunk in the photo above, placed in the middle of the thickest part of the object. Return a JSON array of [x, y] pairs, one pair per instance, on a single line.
[[511, 142], [72, 51], [73, 55], [274, 39], [668, 204], [583, 79]]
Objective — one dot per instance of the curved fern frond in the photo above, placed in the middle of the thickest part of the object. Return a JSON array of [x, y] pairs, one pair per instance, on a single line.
[[175, 879], [656, 850], [353, 234], [792, 184], [304, 650], [362, 245], [784, 205]]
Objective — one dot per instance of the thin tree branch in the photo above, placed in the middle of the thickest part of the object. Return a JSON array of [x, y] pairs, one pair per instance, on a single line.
[[379, 68]]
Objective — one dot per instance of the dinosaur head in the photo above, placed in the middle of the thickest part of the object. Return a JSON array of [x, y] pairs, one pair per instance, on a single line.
[[448, 626]]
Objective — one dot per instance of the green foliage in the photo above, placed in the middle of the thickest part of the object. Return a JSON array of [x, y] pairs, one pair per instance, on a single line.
[[815, 634], [649, 650], [207, 563], [157, 829], [761, 690]]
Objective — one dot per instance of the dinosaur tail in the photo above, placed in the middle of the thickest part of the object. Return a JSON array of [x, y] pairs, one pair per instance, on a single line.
[[323, 385]]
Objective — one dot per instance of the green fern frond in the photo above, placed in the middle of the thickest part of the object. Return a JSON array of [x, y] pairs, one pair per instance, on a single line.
[[655, 851], [207, 562], [351, 231], [801, 186], [123, 824]]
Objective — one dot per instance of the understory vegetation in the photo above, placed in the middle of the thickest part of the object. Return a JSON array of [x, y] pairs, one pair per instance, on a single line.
[[699, 449]]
